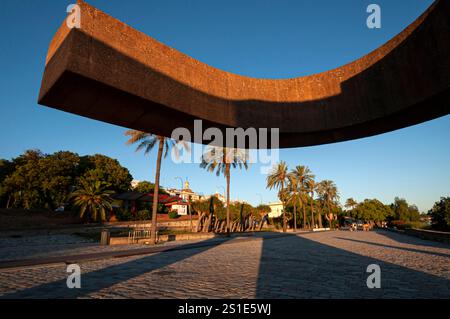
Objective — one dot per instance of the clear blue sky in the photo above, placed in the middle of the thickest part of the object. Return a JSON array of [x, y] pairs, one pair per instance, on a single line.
[[259, 38]]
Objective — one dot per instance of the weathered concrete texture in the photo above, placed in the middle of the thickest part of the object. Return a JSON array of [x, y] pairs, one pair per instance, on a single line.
[[111, 72], [310, 265]]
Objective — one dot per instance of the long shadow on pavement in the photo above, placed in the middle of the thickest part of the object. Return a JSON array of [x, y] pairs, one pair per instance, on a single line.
[[107, 277], [290, 267], [398, 247], [296, 267], [408, 239]]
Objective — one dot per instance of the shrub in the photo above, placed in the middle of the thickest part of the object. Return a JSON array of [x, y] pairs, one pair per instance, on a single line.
[[400, 224], [173, 214], [162, 209], [144, 215], [418, 225], [123, 215], [277, 222]]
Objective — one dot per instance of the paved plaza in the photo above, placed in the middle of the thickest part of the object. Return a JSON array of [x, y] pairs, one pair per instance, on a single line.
[[306, 265]]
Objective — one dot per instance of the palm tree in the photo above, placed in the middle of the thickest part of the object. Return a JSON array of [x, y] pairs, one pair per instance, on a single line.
[[263, 211], [301, 175], [329, 195], [350, 203], [147, 142], [311, 186], [94, 198], [278, 178], [221, 160], [293, 196]]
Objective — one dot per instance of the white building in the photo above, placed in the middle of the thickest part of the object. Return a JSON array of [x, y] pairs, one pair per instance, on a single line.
[[180, 206], [134, 183], [186, 193], [276, 209], [220, 197]]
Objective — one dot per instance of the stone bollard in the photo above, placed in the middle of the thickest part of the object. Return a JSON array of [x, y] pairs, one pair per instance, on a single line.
[[104, 240]]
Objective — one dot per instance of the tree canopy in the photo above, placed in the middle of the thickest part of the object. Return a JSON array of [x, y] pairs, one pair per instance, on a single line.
[[103, 168], [37, 180], [440, 214], [403, 211], [371, 209], [147, 187]]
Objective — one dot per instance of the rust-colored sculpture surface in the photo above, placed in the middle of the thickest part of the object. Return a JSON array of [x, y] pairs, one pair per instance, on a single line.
[[111, 72]]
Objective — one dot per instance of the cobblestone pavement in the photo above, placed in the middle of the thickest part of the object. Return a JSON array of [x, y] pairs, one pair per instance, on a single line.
[[308, 265], [51, 245], [57, 245]]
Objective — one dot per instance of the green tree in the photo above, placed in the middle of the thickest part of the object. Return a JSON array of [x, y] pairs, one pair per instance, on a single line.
[[59, 179], [329, 196], [147, 187], [403, 211], [372, 210], [292, 197], [103, 168], [206, 208], [300, 177], [440, 214], [6, 168], [278, 178], [221, 160], [350, 203], [37, 180], [311, 187], [23, 186], [414, 214], [400, 208], [263, 209], [94, 198], [146, 142]]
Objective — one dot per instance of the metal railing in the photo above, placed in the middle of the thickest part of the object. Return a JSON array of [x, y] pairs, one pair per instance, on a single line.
[[138, 233]]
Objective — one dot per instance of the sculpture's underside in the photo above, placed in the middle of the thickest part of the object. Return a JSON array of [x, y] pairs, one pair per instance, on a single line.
[[111, 72]]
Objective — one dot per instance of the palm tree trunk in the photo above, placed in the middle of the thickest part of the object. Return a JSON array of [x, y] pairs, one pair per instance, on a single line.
[[156, 192], [295, 216], [330, 217], [304, 216], [207, 224], [312, 210], [199, 222], [190, 216], [9, 200], [319, 217], [227, 168], [284, 210]]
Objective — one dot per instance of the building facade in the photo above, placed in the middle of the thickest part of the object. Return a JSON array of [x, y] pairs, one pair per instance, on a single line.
[[276, 209], [186, 193]]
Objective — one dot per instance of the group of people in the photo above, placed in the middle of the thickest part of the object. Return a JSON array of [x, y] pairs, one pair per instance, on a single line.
[[364, 227]]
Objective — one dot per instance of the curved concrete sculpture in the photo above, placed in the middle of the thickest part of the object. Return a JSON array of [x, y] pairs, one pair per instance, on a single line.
[[111, 72]]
